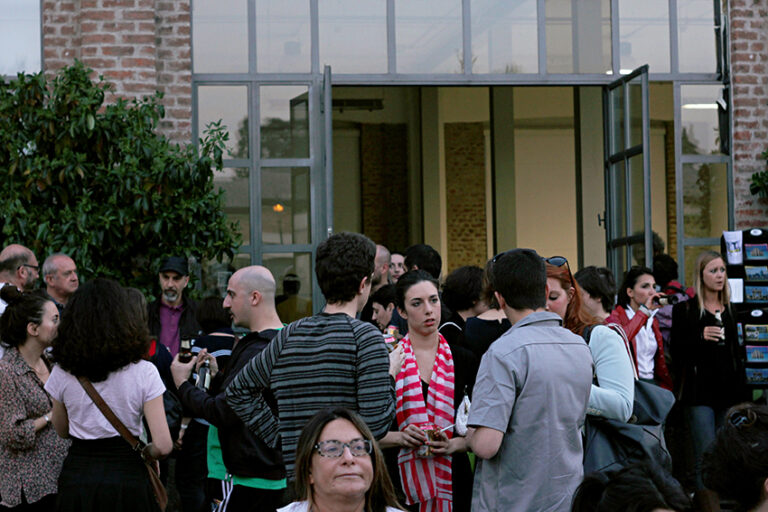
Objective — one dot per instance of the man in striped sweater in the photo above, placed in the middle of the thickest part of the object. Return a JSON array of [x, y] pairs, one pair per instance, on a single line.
[[329, 359]]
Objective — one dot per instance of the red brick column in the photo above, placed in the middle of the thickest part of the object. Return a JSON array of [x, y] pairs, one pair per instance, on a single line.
[[139, 46], [749, 60]]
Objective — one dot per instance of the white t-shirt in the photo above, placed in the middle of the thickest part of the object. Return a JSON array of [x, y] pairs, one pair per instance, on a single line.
[[125, 391], [303, 506], [646, 345]]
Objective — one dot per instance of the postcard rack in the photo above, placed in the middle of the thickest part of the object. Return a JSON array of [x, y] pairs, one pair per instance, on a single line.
[[747, 264]]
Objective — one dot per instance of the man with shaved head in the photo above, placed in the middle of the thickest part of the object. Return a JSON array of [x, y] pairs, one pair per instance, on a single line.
[[380, 278], [19, 267], [258, 473]]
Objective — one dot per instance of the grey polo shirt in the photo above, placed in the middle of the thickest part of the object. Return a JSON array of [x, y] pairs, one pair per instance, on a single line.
[[533, 385]]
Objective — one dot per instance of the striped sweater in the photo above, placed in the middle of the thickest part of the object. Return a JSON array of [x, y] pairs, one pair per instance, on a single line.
[[327, 360]]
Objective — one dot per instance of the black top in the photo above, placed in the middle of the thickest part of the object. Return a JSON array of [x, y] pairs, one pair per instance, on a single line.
[[706, 372], [480, 333]]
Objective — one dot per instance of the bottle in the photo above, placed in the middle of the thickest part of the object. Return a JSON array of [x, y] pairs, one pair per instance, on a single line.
[[719, 323], [204, 376], [665, 300]]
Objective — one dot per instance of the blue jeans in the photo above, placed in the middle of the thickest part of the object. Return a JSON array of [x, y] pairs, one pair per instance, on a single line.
[[703, 422]]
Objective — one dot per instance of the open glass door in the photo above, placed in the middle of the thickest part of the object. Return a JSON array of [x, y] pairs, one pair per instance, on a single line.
[[627, 172]]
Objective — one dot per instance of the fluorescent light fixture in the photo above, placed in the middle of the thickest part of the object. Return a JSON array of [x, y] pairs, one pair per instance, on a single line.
[[700, 106], [625, 71]]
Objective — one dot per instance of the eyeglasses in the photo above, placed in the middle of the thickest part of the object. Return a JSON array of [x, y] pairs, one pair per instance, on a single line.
[[559, 261], [37, 268], [741, 419], [335, 449]]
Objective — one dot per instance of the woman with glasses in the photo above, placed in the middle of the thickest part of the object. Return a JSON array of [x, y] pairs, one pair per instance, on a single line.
[[706, 356], [432, 463], [340, 468], [613, 394], [736, 464], [636, 306], [31, 454]]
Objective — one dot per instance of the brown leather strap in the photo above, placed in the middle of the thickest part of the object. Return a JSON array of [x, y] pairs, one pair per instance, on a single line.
[[107, 412]]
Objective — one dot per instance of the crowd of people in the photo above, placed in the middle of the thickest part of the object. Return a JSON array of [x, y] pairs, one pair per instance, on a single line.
[[404, 391]]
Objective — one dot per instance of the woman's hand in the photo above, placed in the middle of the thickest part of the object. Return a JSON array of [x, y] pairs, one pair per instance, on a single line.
[[412, 437], [445, 446], [652, 304], [712, 333], [396, 358]]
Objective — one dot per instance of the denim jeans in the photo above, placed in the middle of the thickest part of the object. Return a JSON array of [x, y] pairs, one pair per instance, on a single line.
[[703, 422]]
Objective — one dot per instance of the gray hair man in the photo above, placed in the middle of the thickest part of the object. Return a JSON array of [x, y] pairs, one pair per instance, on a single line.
[[60, 276], [19, 267]]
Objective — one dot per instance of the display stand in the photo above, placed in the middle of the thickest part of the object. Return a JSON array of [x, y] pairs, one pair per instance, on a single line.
[[746, 254]]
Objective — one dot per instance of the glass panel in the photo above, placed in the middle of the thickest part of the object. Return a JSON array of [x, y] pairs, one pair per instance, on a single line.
[[215, 274], [619, 193], [635, 90], [429, 36], [691, 253], [617, 112], [285, 205], [636, 194], [644, 35], [696, 36], [293, 276], [345, 22], [220, 36], [621, 264], [282, 36], [19, 37], [284, 121], [228, 103], [698, 117], [504, 37], [235, 184], [578, 41], [705, 200]]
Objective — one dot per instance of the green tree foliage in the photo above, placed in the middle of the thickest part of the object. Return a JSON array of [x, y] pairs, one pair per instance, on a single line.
[[99, 183]]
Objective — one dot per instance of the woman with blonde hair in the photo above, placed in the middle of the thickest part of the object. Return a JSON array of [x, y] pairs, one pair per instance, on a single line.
[[705, 354]]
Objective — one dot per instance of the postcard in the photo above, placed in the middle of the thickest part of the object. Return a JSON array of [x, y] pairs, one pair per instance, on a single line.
[[757, 353], [756, 273], [756, 293], [756, 332], [757, 376], [756, 251]]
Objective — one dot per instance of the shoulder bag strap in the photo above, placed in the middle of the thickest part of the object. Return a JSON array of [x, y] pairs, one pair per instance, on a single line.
[[111, 417], [620, 331]]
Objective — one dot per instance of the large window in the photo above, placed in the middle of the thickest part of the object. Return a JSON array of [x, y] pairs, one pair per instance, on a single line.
[[19, 37]]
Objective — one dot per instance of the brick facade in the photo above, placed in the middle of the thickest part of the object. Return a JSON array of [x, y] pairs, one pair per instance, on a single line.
[[139, 46], [749, 62]]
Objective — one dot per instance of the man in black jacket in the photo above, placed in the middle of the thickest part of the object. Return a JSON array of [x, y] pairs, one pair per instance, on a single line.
[[172, 316], [256, 471]]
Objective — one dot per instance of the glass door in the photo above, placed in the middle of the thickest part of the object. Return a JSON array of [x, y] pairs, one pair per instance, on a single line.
[[627, 172]]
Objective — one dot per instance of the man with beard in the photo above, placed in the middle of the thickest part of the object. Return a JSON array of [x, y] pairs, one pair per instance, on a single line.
[[172, 317], [379, 279]]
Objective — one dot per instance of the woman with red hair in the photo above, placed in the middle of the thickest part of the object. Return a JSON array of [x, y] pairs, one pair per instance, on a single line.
[[613, 393]]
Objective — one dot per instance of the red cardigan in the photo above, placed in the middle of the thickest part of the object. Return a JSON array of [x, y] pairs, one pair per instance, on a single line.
[[632, 327]]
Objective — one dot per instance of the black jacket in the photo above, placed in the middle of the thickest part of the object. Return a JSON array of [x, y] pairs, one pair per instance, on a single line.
[[244, 454], [188, 326]]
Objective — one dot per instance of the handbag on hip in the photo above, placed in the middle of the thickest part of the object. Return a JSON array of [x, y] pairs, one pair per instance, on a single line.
[[158, 489]]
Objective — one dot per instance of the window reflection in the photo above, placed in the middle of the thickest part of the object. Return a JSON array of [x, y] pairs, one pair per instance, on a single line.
[[236, 186], [228, 103], [705, 199], [284, 121], [362, 22], [429, 37], [696, 36], [504, 36], [220, 36], [698, 117], [293, 276], [578, 36], [282, 36], [285, 205], [19, 37], [644, 35]]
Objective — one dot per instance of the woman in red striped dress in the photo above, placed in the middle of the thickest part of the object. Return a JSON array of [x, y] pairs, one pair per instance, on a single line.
[[428, 387]]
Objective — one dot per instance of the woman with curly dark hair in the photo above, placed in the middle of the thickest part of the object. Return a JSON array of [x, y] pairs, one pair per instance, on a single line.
[[31, 454], [102, 338]]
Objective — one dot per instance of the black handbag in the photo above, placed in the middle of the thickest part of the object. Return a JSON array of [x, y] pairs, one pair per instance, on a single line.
[[612, 444]]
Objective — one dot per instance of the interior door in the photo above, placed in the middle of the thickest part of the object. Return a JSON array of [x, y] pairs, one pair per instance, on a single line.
[[627, 172]]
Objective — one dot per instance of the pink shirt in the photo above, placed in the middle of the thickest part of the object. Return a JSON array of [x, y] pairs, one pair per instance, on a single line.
[[125, 391], [169, 327]]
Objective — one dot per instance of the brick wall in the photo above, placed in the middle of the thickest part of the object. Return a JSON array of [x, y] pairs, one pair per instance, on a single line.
[[139, 46], [749, 65], [465, 194]]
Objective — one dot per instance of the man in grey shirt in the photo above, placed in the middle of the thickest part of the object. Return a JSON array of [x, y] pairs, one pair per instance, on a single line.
[[530, 398]]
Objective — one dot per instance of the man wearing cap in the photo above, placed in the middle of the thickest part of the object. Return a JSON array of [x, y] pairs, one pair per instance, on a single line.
[[173, 315]]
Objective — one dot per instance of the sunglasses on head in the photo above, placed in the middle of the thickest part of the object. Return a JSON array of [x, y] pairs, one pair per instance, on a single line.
[[559, 261]]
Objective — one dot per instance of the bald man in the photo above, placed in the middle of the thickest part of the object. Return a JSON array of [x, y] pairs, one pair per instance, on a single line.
[[258, 473], [19, 267], [380, 278]]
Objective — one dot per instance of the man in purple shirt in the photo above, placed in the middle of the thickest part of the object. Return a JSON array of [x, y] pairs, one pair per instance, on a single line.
[[173, 315]]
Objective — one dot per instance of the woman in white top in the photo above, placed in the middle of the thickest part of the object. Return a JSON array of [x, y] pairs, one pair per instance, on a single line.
[[340, 468], [102, 337], [614, 393]]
